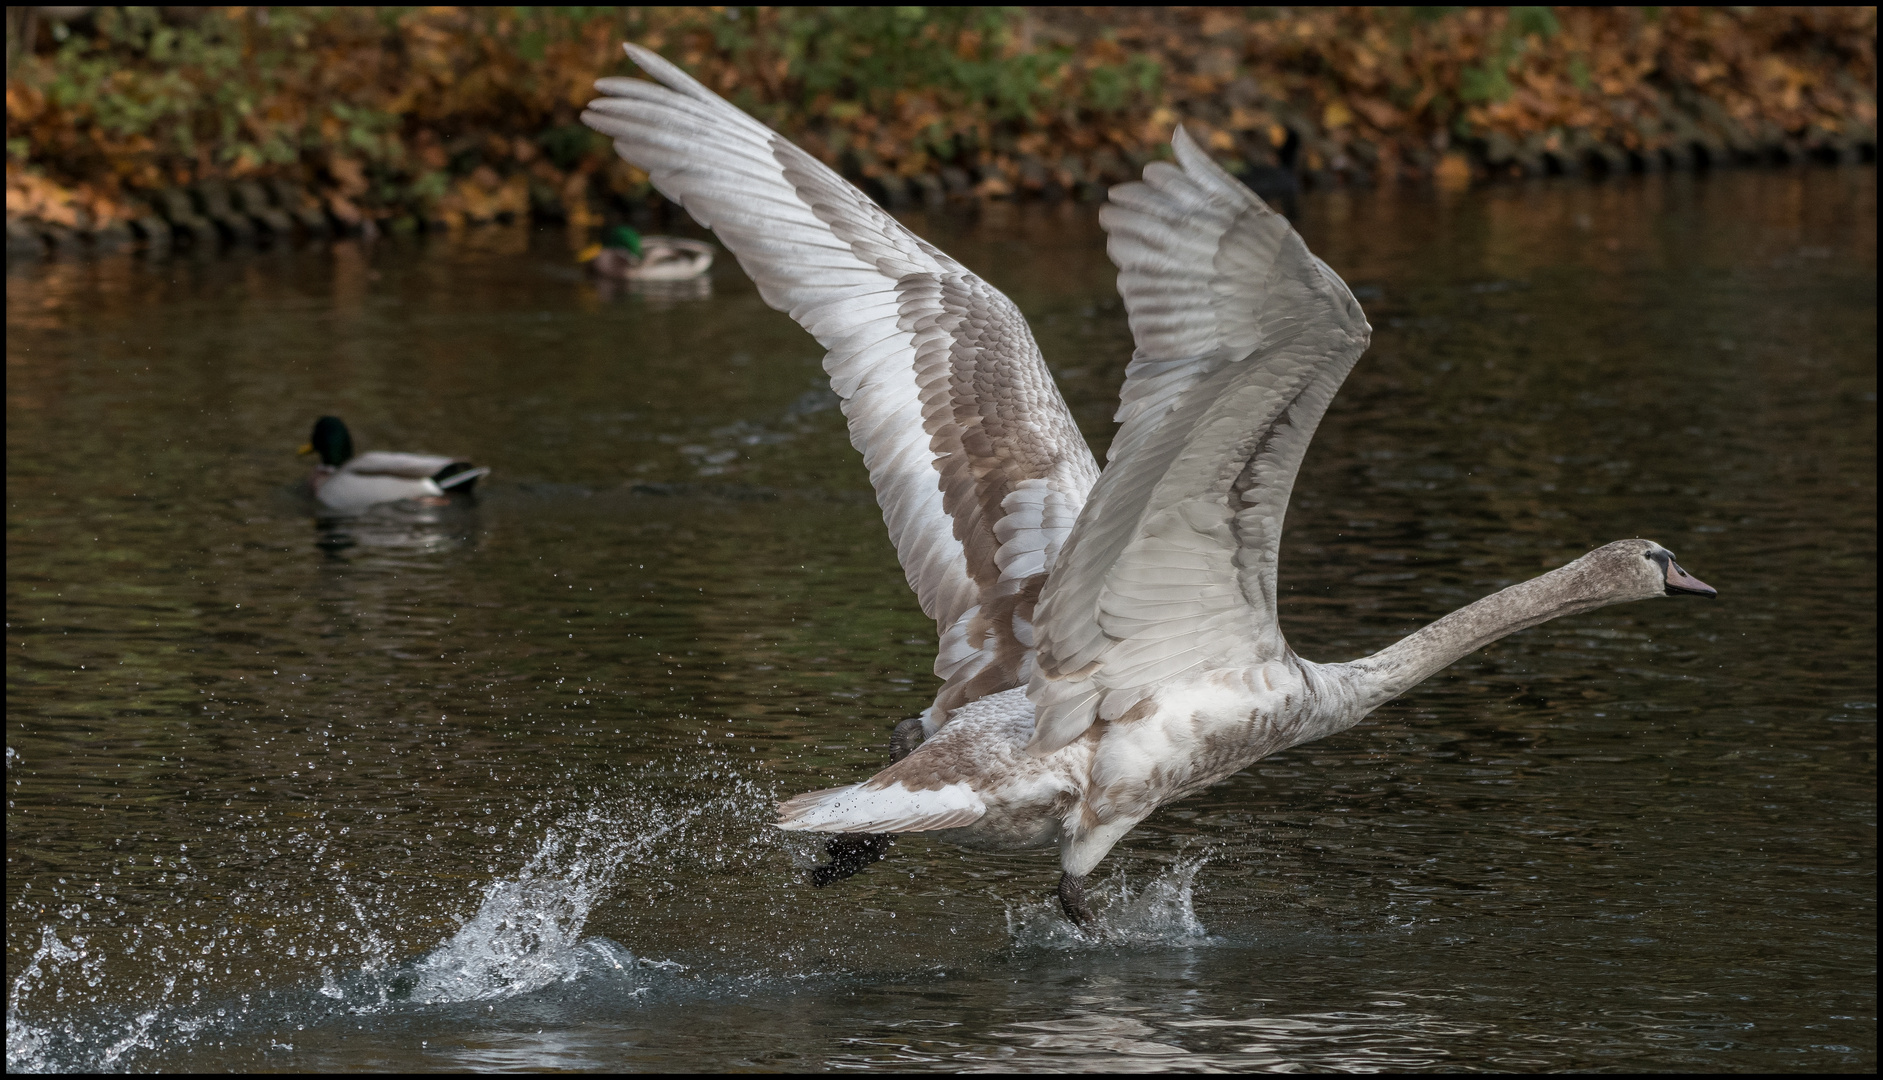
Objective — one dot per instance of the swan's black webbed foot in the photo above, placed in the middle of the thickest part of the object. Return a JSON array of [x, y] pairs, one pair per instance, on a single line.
[[1072, 899], [849, 854]]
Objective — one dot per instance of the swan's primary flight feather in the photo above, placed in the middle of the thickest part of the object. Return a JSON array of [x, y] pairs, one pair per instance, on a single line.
[[976, 462], [1242, 339]]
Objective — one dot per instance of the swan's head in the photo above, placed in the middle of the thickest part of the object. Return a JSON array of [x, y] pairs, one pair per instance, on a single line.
[[1642, 568]]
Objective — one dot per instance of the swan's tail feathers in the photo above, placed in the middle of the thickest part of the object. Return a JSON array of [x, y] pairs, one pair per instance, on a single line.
[[863, 808], [460, 474]]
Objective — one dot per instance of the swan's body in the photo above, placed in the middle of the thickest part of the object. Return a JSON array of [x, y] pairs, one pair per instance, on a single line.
[[977, 781], [1109, 642], [348, 483]]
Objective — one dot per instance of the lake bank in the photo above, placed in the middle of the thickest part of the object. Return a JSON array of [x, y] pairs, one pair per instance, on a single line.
[[146, 125]]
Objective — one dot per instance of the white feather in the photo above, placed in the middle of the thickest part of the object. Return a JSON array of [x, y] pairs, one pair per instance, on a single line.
[[862, 808], [1242, 338], [918, 348]]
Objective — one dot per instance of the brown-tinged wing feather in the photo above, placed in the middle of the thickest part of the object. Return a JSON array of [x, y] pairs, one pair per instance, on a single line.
[[975, 459], [1243, 337]]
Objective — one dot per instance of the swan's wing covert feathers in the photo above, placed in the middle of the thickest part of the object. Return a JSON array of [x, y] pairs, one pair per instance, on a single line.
[[975, 459], [1243, 336]]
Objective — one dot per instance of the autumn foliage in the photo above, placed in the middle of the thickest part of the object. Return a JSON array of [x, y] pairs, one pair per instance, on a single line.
[[449, 115]]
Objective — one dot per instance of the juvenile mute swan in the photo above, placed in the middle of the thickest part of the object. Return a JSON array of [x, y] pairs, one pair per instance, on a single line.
[[347, 483], [1108, 641]]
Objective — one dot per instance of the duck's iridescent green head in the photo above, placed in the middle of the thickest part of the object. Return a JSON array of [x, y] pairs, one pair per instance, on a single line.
[[621, 236], [331, 441]]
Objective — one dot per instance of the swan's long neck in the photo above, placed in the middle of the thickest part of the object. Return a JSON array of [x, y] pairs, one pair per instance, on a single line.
[[1400, 667]]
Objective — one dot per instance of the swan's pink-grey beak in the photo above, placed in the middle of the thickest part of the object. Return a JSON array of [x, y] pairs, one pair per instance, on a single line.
[[1681, 582]]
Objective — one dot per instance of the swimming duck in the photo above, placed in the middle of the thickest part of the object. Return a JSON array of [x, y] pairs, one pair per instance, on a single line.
[[1108, 640], [348, 483], [626, 254]]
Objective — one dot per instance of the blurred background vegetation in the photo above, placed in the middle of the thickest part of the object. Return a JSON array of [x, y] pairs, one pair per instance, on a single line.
[[421, 117]]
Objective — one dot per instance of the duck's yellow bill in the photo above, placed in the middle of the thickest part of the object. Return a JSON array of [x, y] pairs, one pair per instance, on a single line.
[[588, 253], [306, 448]]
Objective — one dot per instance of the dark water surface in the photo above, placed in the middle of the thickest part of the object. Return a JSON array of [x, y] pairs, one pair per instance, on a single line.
[[493, 790]]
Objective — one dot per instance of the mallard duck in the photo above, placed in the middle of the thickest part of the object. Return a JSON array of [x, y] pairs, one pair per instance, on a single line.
[[1108, 640], [349, 483], [626, 254]]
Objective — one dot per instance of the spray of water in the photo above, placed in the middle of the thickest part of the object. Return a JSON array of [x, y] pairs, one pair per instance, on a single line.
[[1162, 913], [27, 1044], [527, 933]]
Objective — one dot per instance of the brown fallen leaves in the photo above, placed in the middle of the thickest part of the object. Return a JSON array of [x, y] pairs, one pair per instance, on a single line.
[[460, 115]]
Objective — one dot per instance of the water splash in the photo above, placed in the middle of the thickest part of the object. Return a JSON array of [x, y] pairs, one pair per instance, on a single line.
[[526, 936], [1163, 912], [28, 1045], [527, 933], [65, 1044]]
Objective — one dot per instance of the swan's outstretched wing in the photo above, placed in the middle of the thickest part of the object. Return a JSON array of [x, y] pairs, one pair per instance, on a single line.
[[975, 459], [1242, 338]]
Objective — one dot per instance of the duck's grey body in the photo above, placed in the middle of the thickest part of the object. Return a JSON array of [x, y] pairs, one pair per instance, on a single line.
[[1108, 641], [348, 483], [382, 476], [662, 258]]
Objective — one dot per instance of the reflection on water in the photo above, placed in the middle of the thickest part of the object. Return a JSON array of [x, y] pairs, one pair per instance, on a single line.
[[655, 293], [401, 526], [489, 785]]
